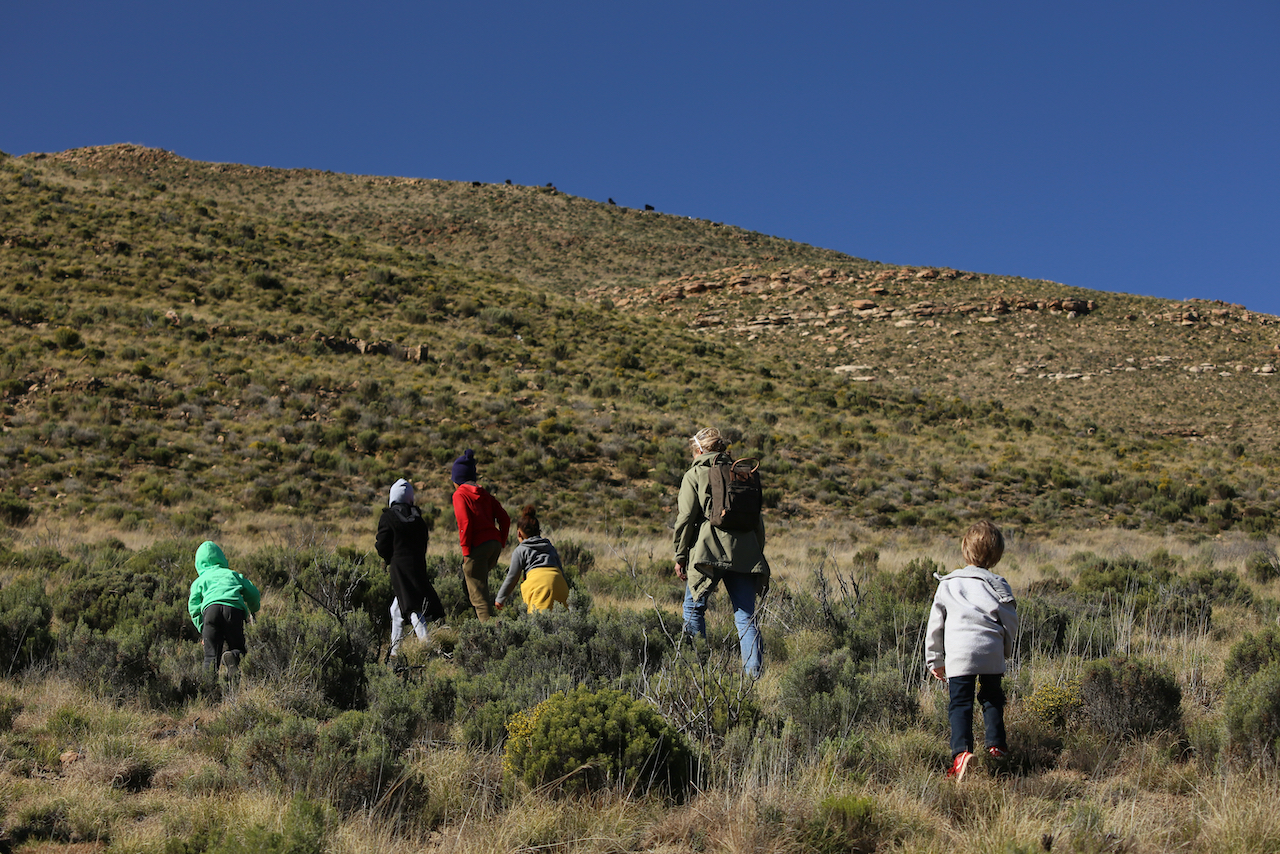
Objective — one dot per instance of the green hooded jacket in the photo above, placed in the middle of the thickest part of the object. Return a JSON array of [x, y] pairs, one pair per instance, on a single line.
[[707, 552], [216, 584]]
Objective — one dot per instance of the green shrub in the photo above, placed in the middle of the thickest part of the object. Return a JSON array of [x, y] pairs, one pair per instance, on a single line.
[[13, 510], [914, 583], [130, 661], [346, 761], [1055, 705], [825, 694], [10, 708], [1123, 577], [515, 662], [125, 595], [841, 824], [318, 659], [25, 616], [1263, 567], [1253, 719], [305, 827], [1042, 624], [575, 555], [1253, 653], [590, 741], [1126, 698], [406, 704]]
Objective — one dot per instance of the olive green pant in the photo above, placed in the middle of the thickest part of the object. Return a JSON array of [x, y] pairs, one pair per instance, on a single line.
[[475, 571]]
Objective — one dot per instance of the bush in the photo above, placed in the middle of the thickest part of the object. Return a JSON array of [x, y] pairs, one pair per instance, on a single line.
[[14, 511], [306, 825], [1252, 654], [915, 583], [1055, 705], [1125, 698], [10, 708], [513, 663], [1263, 567], [841, 824], [320, 657], [590, 741], [824, 695], [346, 761], [25, 639], [1253, 719]]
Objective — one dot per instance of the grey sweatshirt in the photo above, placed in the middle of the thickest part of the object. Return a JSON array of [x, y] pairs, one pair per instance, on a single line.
[[532, 553], [973, 623]]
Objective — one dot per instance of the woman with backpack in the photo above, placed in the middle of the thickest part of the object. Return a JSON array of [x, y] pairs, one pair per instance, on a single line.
[[707, 553]]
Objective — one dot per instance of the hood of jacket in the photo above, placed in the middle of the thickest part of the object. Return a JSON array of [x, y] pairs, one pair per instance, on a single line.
[[710, 458], [405, 512], [210, 556], [1003, 592]]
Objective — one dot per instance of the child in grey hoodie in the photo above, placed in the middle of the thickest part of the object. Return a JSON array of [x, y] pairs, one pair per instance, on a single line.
[[972, 627]]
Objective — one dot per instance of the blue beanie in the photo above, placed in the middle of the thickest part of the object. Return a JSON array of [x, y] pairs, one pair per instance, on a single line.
[[401, 492], [464, 467]]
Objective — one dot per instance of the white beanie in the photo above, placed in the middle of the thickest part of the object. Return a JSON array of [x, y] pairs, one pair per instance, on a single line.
[[401, 492]]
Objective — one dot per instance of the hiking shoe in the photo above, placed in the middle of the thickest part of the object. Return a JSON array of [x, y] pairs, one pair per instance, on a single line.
[[960, 765], [997, 752], [231, 662]]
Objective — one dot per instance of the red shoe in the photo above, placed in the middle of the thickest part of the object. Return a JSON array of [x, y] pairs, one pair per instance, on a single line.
[[997, 752], [960, 765]]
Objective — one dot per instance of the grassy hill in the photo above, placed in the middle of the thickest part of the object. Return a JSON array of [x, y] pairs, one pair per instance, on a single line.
[[196, 350], [197, 347]]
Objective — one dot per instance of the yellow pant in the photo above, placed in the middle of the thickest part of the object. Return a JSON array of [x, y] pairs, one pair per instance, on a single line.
[[542, 586]]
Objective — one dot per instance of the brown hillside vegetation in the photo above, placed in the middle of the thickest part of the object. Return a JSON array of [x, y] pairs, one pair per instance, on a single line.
[[188, 341]]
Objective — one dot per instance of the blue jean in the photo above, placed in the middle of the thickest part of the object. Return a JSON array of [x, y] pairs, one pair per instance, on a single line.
[[742, 593], [960, 711]]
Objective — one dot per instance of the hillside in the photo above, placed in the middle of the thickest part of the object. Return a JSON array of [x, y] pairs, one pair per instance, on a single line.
[[194, 347], [196, 351]]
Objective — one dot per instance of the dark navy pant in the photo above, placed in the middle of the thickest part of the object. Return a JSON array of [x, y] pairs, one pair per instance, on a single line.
[[990, 695]]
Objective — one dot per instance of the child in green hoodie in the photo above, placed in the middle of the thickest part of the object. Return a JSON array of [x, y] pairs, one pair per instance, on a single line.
[[220, 601]]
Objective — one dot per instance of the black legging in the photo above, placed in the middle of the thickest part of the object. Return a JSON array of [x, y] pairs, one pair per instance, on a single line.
[[223, 624]]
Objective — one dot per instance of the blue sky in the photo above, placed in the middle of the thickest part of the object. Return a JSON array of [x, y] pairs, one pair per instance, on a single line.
[[1123, 146]]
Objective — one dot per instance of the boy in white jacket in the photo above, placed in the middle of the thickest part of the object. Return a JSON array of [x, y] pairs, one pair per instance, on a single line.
[[971, 631]]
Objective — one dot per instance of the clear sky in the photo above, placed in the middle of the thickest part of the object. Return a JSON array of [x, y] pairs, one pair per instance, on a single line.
[[1124, 146]]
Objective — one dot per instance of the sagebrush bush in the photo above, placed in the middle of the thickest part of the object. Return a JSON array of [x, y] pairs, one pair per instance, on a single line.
[[1253, 719], [841, 824], [511, 664], [1252, 653], [826, 694], [594, 740], [25, 617], [13, 511], [1126, 697], [346, 761], [306, 826], [1055, 705], [1263, 567], [316, 658], [10, 708]]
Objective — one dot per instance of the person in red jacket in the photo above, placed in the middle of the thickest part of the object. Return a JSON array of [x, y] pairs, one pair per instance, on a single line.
[[483, 527]]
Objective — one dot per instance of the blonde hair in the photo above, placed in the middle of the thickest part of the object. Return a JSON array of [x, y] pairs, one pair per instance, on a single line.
[[706, 440], [983, 544]]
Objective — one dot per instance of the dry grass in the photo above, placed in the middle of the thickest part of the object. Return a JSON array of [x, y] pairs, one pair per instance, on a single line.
[[1159, 794]]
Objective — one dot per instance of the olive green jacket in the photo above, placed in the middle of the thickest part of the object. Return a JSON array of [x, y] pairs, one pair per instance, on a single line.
[[705, 551]]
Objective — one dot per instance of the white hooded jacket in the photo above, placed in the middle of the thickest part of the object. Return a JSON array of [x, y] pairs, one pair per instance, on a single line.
[[973, 623]]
